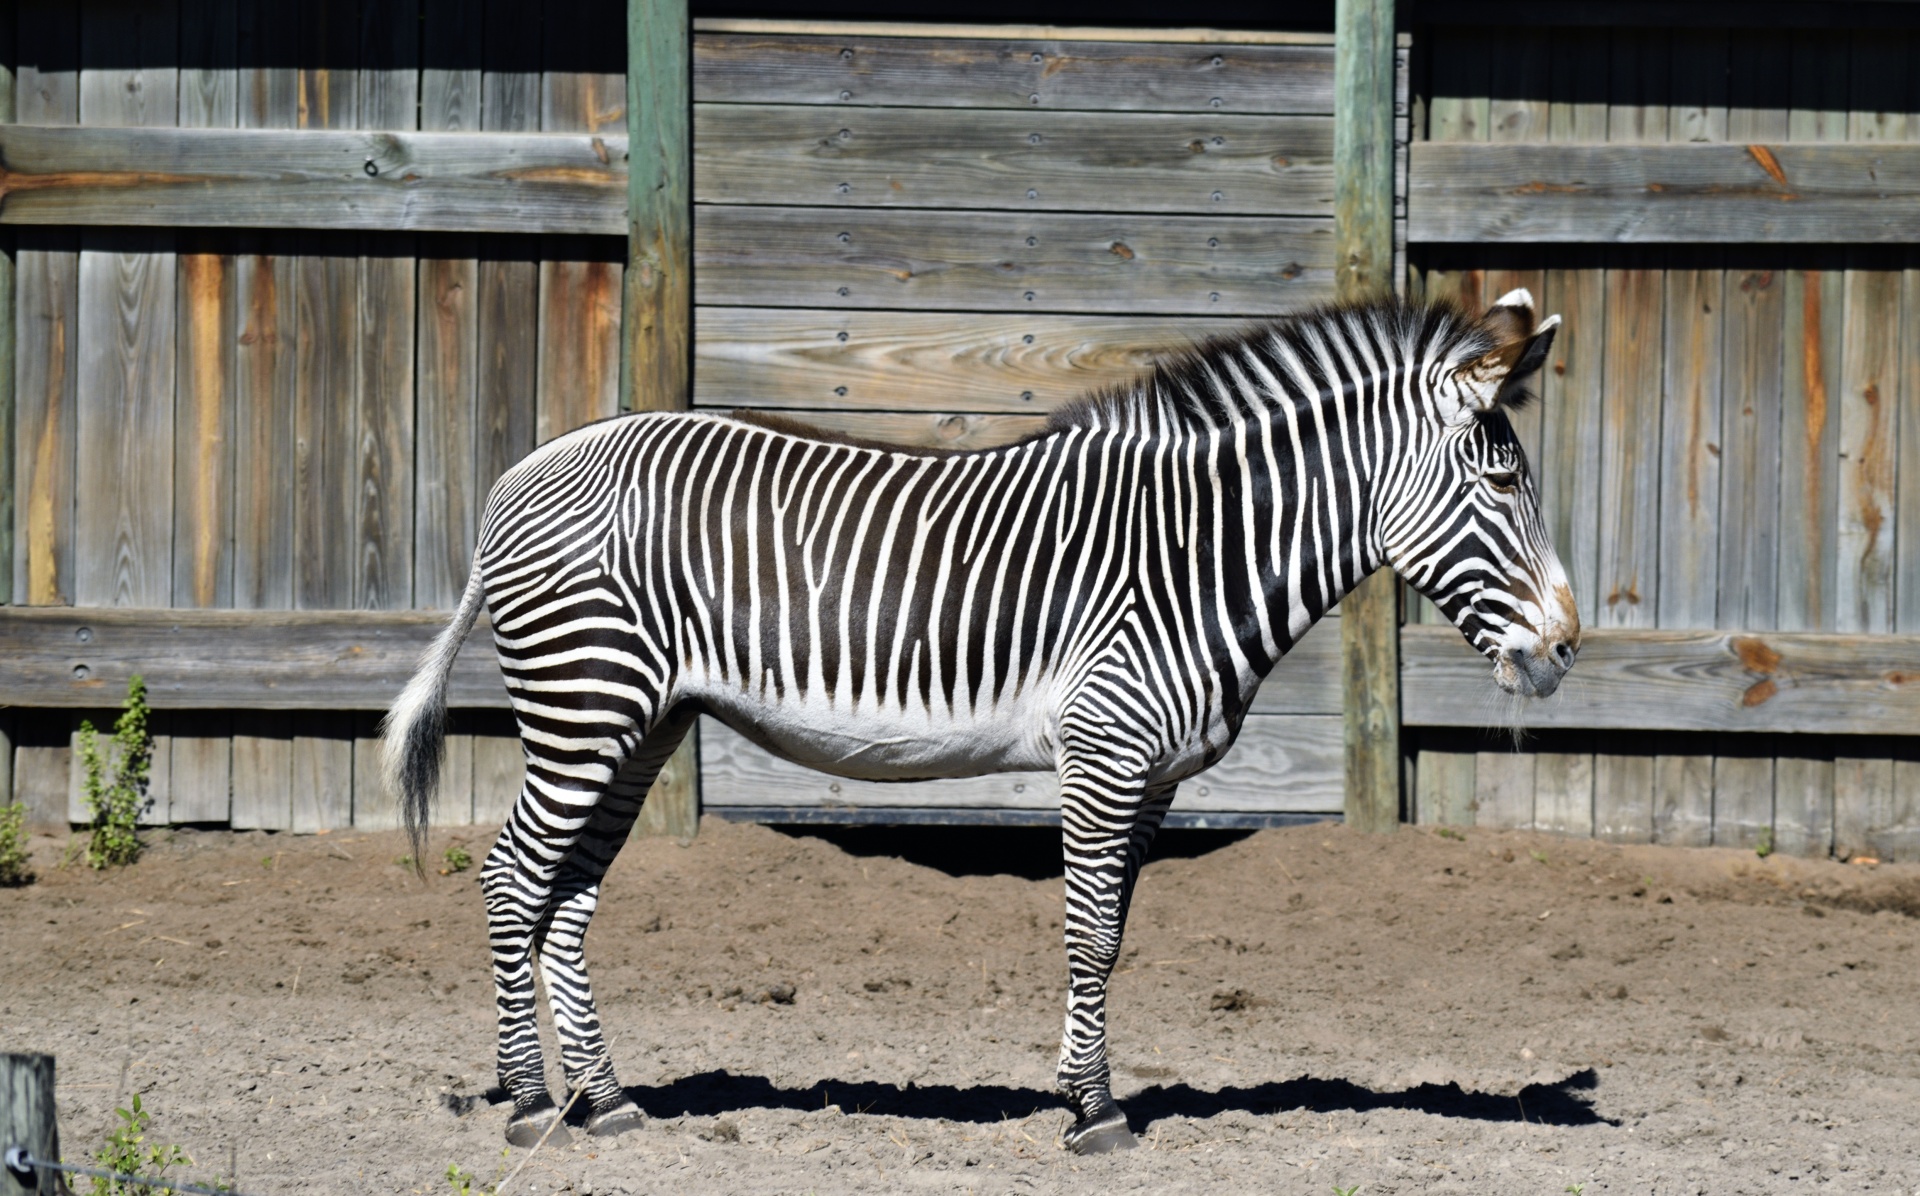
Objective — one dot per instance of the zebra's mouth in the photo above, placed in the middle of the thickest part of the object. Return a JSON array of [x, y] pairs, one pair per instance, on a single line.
[[1530, 674]]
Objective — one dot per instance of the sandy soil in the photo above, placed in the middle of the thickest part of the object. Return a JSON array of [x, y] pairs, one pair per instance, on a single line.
[[1297, 1011]]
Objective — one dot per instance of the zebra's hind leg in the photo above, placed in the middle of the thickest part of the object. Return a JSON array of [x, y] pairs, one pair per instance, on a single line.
[[583, 1049], [516, 899], [1104, 843]]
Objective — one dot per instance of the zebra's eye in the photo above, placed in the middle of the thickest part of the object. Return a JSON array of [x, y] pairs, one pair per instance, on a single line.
[[1505, 483]]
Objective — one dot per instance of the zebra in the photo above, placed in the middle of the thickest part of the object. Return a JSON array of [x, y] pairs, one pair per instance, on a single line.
[[1102, 598]]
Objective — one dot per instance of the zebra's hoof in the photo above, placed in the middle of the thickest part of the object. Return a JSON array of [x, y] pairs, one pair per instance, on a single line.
[[616, 1120], [526, 1127], [1100, 1135]]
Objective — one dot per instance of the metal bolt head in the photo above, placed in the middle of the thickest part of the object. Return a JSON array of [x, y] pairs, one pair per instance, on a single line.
[[1037, 58], [372, 168], [841, 336], [83, 634], [846, 95], [1027, 339]]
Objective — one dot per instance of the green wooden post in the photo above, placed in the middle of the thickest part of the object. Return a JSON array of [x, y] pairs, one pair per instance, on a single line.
[[656, 344], [1363, 267]]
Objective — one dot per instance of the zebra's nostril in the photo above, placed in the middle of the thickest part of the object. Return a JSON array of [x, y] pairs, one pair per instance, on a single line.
[[1563, 652]]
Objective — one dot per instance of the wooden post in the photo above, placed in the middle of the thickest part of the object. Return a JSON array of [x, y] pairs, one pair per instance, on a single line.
[[656, 343], [1363, 265], [27, 1121], [7, 116]]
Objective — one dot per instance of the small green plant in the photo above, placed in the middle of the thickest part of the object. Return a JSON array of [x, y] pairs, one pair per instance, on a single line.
[[1340, 1191], [127, 1152], [1447, 832], [115, 805], [405, 861], [456, 860], [1763, 847], [1576, 1189], [13, 845], [462, 1181], [1539, 857]]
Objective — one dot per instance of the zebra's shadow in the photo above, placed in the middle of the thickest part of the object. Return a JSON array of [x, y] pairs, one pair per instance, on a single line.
[[712, 1093]]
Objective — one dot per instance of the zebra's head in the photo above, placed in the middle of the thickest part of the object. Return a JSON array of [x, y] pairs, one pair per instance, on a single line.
[[1467, 531]]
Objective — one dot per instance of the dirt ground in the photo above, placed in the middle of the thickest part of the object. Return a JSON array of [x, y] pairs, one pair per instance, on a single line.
[[1298, 1011]]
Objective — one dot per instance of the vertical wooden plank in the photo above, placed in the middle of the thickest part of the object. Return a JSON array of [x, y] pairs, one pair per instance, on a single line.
[[1503, 784], [1363, 263], [1520, 94], [1906, 519], [322, 768], [447, 507], [1803, 802], [46, 320], [209, 64], [1630, 443], [6, 759], [42, 769], [1899, 840], [202, 766], [9, 55], [451, 44], [262, 771], [373, 808], [1623, 803], [1869, 418], [1683, 792], [499, 770], [325, 414], [1698, 89], [1460, 66], [1573, 395], [1750, 462], [1689, 450], [1639, 87], [1742, 791], [1759, 95], [1862, 803], [389, 98], [1563, 789], [1444, 787], [204, 397]]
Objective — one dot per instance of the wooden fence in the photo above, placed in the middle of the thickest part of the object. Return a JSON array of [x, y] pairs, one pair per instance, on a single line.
[[264, 377]]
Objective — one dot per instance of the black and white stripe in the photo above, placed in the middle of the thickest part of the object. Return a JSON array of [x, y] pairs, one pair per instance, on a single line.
[[1103, 599]]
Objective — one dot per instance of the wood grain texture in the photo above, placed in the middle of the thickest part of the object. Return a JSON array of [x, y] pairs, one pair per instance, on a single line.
[[202, 766], [1444, 788], [203, 426], [579, 355], [382, 435], [499, 770], [1686, 681], [1651, 193], [1683, 800], [1751, 415], [46, 408], [507, 363], [1013, 365], [123, 521], [1573, 396], [1906, 517], [924, 429], [41, 773], [1504, 787], [1863, 801], [264, 358], [1279, 763], [373, 807], [1623, 797], [1690, 450], [446, 505], [1630, 446], [1814, 311], [322, 771], [326, 403], [1869, 435], [1026, 162], [1003, 261], [254, 178], [1742, 794], [262, 771], [1563, 792], [1028, 74], [228, 660], [657, 316], [1803, 805], [1899, 838]]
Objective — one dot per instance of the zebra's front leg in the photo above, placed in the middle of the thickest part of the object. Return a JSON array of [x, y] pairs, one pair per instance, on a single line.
[[1105, 837], [576, 1020]]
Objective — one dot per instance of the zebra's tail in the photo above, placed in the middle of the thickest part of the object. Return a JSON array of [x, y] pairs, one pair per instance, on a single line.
[[415, 729]]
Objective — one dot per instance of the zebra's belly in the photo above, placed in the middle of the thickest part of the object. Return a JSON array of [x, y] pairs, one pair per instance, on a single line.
[[881, 744]]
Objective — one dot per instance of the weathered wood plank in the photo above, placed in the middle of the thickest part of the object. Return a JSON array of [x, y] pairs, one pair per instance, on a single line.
[[1623, 796], [1651, 193], [1028, 162], [1640, 84], [1803, 805], [322, 771], [1759, 92], [499, 770], [1862, 804], [1869, 418], [203, 432], [1172, 35], [381, 444], [262, 771], [1899, 839], [453, 36], [123, 520], [46, 327], [374, 809], [1906, 518], [1504, 790], [1747, 582], [1563, 791], [1444, 784], [202, 767], [583, 87], [1458, 103], [263, 425], [1630, 445], [924, 429], [1683, 800], [1005, 261], [41, 774], [1698, 87], [1279, 763], [326, 402], [1690, 450], [1687, 681], [1809, 449], [1573, 395], [9, 32], [579, 356], [1028, 74], [1742, 794], [445, 503], [508, 302], [209, 78], [313, 179], [1016, 365]]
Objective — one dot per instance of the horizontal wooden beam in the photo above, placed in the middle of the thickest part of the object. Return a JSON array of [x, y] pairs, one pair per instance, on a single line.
[[1473, 192], [358, 660], [311, 179], [231, 659], [1808, 682]]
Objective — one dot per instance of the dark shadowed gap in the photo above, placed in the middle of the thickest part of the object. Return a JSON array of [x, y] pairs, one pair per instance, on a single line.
[[1029, 852]]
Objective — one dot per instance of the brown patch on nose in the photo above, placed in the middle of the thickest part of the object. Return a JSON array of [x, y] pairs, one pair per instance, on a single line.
[[1569, 612]]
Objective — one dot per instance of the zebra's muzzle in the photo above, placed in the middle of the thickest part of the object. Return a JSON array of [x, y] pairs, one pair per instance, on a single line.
[[1533, 673]]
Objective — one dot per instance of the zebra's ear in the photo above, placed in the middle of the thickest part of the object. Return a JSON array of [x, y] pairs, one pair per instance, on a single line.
[[1520, 349]]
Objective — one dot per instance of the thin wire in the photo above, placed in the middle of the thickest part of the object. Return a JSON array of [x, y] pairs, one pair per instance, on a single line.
[[27, 1162], [606, 1060]]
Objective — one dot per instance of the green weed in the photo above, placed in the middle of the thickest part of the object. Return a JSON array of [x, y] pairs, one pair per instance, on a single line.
[[456, 860], [127, 1152], [1447, 832], [1539, 857], [1576, 1189], [1763, 847], [1340, 1191], [13, 846], [115, 805], [405, 861]]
